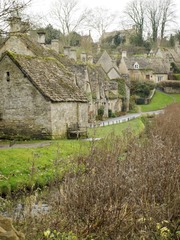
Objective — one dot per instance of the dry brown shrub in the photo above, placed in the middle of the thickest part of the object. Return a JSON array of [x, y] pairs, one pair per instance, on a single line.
[[127, 189]]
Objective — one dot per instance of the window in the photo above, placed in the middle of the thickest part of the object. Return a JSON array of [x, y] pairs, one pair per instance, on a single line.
[[8, 76], [148, 77], [136, 66], [1, 117], [160, 78]]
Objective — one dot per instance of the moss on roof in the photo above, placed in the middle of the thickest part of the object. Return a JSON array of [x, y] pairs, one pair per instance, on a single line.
[[50, 77]]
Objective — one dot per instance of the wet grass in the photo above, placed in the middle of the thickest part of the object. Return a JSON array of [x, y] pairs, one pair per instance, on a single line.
[[29, 168]]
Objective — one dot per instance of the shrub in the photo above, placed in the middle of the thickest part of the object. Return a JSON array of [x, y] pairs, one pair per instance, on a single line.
[[176, 76], [110, 113], [100, 113], [140, 101], [170, 83], [130, 188], [141, 88]]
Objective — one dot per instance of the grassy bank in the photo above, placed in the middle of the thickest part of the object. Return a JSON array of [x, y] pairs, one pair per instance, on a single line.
[[159, 101], [26, 168]]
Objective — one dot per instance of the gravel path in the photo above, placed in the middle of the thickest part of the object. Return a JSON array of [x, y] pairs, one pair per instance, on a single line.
[[24, 145]]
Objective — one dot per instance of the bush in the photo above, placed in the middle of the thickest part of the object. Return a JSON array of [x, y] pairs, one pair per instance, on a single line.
[[141, 88], [100, 113], [130, 189], [170, 83], [110, 113], [140, 101], [176, 76]]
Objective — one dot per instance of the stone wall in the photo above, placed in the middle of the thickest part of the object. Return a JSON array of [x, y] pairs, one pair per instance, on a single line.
[[7, 231], [24, 111], [113, 74], [64, 114], [171, 90], [14, 44]]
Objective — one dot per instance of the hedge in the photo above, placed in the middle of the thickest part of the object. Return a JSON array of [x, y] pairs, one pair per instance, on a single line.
[[173, 84]]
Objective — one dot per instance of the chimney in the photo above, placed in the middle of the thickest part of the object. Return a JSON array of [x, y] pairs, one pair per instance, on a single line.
[[72, 54], [15, 24], [55, 45], [67, 51], [90, 59], [83, 57], [124, 54], [41, 37]]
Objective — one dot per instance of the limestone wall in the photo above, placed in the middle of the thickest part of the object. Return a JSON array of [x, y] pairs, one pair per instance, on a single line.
[[112, 74], [171, 90], [7, 231], [64, 114], [24, 111], [14, 44]]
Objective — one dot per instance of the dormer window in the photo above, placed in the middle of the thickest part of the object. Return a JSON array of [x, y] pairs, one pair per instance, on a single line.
[[8, 76], [136, 65]]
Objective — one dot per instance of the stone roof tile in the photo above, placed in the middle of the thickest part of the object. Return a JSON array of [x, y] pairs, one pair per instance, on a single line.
[[50, 77]]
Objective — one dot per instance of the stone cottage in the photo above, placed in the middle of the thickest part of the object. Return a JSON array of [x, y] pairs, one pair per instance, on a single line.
[[170, 54], [43, 91], [144, 68], [38, 98], [117, 84], [38, 94]]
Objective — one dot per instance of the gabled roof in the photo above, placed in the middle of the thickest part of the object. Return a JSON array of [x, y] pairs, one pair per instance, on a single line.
[[49, 76], [157, 65], [36, 49], [106, 62]]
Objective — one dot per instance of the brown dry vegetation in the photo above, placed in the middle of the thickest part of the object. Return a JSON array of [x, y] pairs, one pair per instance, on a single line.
[[129, 188]]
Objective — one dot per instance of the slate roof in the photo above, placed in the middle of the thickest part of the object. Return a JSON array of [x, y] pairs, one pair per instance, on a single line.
[[157, 65], [50, 77]]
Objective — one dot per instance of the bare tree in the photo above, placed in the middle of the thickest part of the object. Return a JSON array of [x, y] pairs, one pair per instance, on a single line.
[[136, 11], [100, 19], [168, 14], [160, 13], [154, 15], [68, 16], [9, 8]]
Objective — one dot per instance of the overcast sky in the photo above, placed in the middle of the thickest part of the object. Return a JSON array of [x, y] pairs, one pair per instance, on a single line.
[[43, 6], [115, 5]]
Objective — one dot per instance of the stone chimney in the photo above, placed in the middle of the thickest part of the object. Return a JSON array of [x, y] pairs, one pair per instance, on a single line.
[[55, 45], [83, 57], [72, 54], [90, 59], [15, 24], [67, 51], [41, 37], [124, 54]]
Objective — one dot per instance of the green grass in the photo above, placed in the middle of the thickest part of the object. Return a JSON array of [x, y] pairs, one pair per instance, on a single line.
[[135, 125], [176, 97], [160, 101], [22, 168]]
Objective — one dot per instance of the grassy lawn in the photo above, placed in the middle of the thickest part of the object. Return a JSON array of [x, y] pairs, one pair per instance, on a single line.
[[159, 101], [22, 168], [176, 97], [25, 167]]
